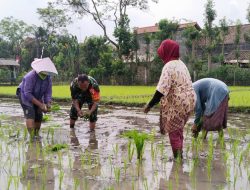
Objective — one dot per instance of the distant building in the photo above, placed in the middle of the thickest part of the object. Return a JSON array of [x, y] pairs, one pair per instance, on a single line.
[[230, 54], [141, 32], [12, 65], [242, 60], [144, 65]]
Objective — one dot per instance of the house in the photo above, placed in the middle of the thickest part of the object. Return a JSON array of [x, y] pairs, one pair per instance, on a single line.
[[12, 65], [230, 46], [242, 59], [147, 51], [141, 32]]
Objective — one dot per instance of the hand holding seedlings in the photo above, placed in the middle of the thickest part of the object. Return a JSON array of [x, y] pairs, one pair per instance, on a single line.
[[43, 108], [80, 113], [48, 107]]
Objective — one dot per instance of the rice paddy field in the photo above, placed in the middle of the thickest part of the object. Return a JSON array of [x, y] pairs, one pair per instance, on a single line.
[[125, 152], [136, 95]]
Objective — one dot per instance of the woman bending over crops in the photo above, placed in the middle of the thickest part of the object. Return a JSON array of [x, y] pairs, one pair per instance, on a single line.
[[176, 94], [34, 93], [211, 106]]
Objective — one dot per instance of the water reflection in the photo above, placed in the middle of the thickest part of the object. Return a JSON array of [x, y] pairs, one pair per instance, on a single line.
[[37, 171]]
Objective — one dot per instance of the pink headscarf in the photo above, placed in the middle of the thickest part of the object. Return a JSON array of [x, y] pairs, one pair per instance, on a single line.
[[168, 51]]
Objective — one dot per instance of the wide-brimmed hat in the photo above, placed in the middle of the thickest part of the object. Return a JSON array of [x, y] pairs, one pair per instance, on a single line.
[[44, 65]]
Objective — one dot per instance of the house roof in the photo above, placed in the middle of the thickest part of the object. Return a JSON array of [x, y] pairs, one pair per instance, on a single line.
[[8, 62], [244, 55], [230, 38], [153, 29]]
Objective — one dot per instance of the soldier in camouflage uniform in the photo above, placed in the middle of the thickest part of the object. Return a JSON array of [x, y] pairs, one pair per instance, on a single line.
[[84, 89]]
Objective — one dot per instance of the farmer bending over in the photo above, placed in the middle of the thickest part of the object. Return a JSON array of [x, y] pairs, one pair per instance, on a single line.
[[84, 89], [211, 106], [34, 93]]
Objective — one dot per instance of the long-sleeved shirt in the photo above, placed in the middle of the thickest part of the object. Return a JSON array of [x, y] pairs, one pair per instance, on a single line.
[[210, 93], [32, 86]]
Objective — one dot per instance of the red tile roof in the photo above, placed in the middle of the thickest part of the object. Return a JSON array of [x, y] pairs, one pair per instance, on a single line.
[[153, 29]]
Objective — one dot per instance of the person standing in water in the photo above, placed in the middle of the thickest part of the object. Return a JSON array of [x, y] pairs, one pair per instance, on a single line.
[[35, 92], [84, 89], [211, 106], [176, 94]]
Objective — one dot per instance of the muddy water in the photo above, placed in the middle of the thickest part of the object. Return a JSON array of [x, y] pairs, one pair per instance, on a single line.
[[93, 160]]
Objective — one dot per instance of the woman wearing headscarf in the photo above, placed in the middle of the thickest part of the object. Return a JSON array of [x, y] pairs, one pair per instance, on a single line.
[[34, 93], [211, 106], [176, 94]]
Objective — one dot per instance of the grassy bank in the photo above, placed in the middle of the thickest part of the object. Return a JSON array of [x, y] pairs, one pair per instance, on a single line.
[[137, 95]]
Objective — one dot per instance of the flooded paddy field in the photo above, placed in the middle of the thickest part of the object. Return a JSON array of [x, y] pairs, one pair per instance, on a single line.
[[104, 159]]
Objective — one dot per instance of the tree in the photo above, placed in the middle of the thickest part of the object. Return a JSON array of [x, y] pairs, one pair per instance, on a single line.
[[114, 11], [247, 35], [123, 37], [224, 30], [147, 38], [54, 19], [6, 50], [134, 46], [210, 15], [92, 49], [14, 31], [248, 13], [237, 39], [66, 55], [167, 29], [192, 36]]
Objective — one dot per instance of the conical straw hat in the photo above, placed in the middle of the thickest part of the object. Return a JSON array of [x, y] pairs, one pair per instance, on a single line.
[[44, 65]]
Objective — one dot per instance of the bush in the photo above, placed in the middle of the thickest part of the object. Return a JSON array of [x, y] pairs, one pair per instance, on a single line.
[[231, 75]]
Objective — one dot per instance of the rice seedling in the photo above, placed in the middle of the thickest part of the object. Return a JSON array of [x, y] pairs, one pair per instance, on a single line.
[[70, 161], [153, 152], [125, 164], [16, 181], [131, 150], [235, 179], [25, 133], [36, 170], [210, 156], [46, 118], [110, 163], [115, 150], [117, 172], [9, 182], [133, 184], [241, 158], [56, 147], [76, 183], [59, 159], [55, 107], [44, 177], [38, 151], [28, 185], [235, 148], [82, 160], [139, 140], [170, 185], [24, 170], [61, 175], [145, 184], [161, 146]]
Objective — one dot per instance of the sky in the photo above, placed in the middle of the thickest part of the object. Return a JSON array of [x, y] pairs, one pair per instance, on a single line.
[[182, 10]]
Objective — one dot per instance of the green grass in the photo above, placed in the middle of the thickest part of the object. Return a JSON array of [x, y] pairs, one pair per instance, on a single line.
[[136, 95]]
